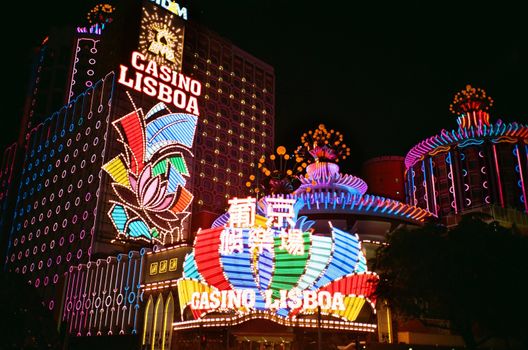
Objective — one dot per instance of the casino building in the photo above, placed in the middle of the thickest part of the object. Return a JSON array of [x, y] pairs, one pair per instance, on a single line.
[[339, 226], [162, 120], [481, 165], [114, 204]]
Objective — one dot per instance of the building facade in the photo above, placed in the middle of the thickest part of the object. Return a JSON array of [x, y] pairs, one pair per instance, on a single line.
[[384, 176], [162, 120], [480, 164]]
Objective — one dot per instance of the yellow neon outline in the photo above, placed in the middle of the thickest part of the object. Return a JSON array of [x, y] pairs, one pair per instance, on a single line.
[[156, 311], [170, 300], [149, 304]]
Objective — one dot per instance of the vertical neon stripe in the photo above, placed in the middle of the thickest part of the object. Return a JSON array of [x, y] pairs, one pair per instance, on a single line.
[[498, 174], [156, 311], [169, 310], [389, 324], [433, 184], [425, 184], [522, 179], [146, 321], [413, 188], [452, 180]]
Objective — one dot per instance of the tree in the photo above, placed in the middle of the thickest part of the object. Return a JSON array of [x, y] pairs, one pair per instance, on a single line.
[[27, 324], [470, 275]]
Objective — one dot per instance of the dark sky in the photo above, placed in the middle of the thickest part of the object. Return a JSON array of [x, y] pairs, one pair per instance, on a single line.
[[383, 73]]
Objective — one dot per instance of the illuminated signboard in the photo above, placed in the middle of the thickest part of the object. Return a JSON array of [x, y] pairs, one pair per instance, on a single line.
[[161, 82], [149, 176], [275, 263], [172, 6], [161, 38], [165, 265]]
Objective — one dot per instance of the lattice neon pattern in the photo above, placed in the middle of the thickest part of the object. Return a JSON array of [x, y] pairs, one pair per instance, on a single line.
[[103, 296], [56, 205], [6, 176], [149, 177], [332, 264]]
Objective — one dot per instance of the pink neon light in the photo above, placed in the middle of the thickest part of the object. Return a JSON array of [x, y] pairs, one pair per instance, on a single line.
[[426, 197], [434, 191], [453, 184], [522, 180], [448, 137], [498, 174]]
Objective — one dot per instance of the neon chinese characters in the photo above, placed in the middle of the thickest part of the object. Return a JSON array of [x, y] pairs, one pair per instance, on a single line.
[[265, 258]]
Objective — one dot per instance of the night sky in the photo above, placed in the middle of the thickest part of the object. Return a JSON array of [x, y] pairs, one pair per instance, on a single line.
[[382, 74]]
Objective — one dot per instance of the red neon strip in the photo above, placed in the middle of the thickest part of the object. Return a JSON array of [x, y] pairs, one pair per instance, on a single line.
[[498, 174], [357, 284], [207, 257], [134, 139], [522, 180]]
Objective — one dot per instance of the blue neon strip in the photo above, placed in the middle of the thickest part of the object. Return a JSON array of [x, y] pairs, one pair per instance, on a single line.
[[171, 129], [344, 258], [265, 269], [175, 179], [119, 217], [190, 270], [239, 271], [362, 264], [320, 255]]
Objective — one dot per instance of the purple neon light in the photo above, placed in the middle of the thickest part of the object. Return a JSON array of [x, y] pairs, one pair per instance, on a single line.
[[522, 179]]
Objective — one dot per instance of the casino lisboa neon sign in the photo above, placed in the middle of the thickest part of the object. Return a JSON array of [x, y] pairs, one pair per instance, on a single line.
[[150, 174], [274, 262]]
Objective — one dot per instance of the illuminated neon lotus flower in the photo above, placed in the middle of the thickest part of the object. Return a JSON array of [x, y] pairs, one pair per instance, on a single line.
[[149, 197], [149, 176], [325, 271]]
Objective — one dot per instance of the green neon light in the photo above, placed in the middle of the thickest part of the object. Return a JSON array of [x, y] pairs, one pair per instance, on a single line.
[[177, 161], [288, 268]]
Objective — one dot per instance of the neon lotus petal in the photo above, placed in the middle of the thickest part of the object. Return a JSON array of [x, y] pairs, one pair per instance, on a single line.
[[148, 176], [137, 228], [170, 129], [119, 217], [152, 192], [131, 129]]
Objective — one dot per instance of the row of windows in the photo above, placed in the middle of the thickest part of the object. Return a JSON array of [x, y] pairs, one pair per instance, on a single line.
[[221, 54]]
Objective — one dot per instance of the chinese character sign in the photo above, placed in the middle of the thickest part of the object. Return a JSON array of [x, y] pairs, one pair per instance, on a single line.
[[280, 212], [266, 259]]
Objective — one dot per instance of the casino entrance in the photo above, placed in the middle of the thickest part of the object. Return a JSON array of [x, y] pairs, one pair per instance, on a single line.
[[259, 334], [263, 335]]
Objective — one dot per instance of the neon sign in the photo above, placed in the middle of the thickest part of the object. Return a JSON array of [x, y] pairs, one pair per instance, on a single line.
[[161, 82], [161, 38], [229, 299], [173, 7], [265, 258], [149, 177]]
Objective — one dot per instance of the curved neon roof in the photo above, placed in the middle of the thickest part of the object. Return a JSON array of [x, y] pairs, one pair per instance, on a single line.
[[466, 136]]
